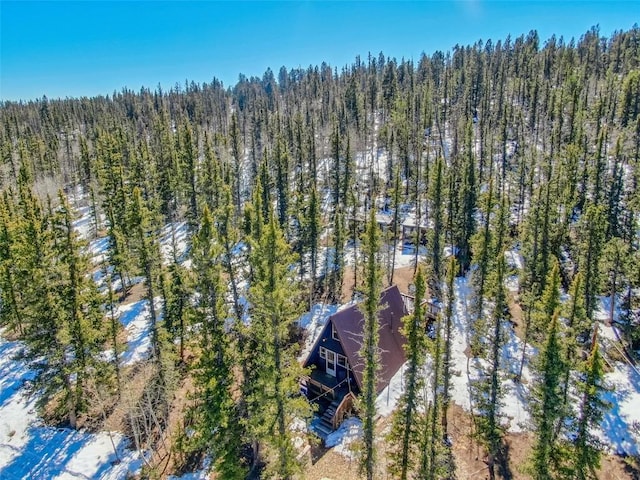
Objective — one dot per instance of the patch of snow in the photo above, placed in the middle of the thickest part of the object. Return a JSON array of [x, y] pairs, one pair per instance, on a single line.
[[608, 332], [29, 450], [239, 249], [98, 250], [83, 225], [515, 394], [341, 440], [450, 250], [514, 259], [174, 240], [388, 398], [460, 341], [406, 255], [619, 428], [603, 307], [136, 319], [512, 283]]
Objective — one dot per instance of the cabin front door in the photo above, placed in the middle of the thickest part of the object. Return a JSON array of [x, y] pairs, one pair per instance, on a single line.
[[331, 363]]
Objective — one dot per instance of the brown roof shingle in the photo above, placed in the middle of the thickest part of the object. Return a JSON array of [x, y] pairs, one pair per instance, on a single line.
[[349, 325]]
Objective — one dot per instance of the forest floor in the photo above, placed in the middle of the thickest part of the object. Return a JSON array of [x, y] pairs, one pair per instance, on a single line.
[[327, 464]]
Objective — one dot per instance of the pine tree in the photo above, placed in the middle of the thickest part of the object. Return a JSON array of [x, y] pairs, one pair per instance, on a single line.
[[614, 263], [114, 194], [483, 246], [488, 392], [549, 302], [467, 204], [546, 405], [404, 435], [577, 328], [348, 178], [229, 236], [148, 254], [11, 302], [188, 155], [435, 459], [435, 274], [167, 166], [115, 327], [452, 268], [336, 278], [394, 225], [177, 306], [281, 160], [81, 329], [369, 350], [209, 176], [592, 239], [217, 416], [312, 234], [586, 455], [273, 402]]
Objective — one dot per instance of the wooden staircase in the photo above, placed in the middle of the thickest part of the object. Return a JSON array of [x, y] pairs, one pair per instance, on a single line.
[[325, 425]]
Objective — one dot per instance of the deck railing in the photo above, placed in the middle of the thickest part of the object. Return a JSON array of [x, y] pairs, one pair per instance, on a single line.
[[432, 308]]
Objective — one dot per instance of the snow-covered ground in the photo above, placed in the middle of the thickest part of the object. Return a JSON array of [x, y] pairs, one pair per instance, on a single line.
[[620, 428], [174, 240], [514, 258], [388, 398], [342, 439], [29, 450], [136, 320]]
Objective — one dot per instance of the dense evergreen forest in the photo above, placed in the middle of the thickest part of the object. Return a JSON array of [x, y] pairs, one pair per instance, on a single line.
[[521, 143]]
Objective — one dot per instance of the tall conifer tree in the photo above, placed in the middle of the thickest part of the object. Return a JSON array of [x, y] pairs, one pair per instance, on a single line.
[[369, 350], [405, 432], [274, 402], [218, 426]]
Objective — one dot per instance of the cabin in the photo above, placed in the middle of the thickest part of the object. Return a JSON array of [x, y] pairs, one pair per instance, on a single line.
[[336, 366], [410, 227], [358, 221]]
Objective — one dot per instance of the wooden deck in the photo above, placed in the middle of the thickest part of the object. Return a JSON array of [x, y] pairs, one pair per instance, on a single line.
[[321, 385], [333, 398]]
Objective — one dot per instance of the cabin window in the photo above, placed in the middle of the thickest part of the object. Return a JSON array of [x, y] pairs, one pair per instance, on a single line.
[[342, 361], [323, 352], [334, 333]]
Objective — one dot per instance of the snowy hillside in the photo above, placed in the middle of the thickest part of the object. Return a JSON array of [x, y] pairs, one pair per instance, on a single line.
[[29, 450]]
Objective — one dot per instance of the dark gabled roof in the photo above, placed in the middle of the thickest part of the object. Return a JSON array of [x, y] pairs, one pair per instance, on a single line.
[[349, 325]]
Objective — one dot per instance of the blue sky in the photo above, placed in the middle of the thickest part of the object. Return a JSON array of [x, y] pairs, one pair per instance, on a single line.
[[73, 49]]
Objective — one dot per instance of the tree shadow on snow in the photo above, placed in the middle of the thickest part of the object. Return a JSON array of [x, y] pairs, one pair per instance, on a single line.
[[49, 452], [45, 455]]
